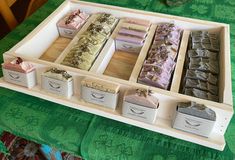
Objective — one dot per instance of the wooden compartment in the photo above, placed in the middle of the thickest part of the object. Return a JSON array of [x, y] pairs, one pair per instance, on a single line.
[[40, 51], [123, 64]]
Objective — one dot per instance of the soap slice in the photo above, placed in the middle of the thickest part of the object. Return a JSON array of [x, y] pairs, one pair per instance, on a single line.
[[197, 110], [138, 21], [135, 27], [58, 74], [73, 20], [130, 39], [141, 97], [101, 85], [130, 32], [19, 65]]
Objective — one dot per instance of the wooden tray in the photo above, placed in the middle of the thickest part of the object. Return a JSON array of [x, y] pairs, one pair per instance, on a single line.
[[47, 53]]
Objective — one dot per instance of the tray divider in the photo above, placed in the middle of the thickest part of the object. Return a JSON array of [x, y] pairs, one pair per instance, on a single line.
[[178, 73], [143, 53]]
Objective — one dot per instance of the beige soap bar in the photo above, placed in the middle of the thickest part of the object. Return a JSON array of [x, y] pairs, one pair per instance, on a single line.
[[101, 85]]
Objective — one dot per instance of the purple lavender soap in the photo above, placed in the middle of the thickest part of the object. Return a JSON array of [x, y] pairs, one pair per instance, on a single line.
[[160, 62]]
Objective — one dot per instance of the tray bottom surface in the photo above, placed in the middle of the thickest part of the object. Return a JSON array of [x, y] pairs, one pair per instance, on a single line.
[[121, 65], [54, 51]]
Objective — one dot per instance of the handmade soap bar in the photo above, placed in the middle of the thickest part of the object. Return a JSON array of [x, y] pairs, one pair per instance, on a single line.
[[194, 118], [89, 44], [141, 105], [106, 19], [137, 21], [201, 85], [201, 94], [132, 34], [19, 72], [100, 92], [203, 54], [202, 66], [204, 76], [58, 82], [161, 57], [69, 25], [205, 40]]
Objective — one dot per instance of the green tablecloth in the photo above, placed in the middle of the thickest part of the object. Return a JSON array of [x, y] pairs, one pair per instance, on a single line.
[[71, 130]]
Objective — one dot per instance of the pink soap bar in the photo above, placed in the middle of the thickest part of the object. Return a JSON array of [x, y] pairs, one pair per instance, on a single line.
[[141, 97], [138, 21], [132, 33], [19, 66], [130, 39], [73, 20], [154, 80]]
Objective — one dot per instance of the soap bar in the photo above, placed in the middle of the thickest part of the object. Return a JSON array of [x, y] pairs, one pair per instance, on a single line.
[[58, 74], [19, 65], [204, 64], [192, 83], [133, 33], [69, 25], [154, 79], [200, 94], [73, 20], [106, 19], [203, 76], [203, 54], [194, 118], [130, 39], [161, 57], [138, 21], [84, 52], [205, 40], [19, 72], [141, 97], [141, 105], [58, 82], [100, 92], [103, 29], [197, 110], [101, 85], [135, 27]]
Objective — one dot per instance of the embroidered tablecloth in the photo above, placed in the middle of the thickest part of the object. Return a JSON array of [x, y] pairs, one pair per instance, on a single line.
[[99, 138]]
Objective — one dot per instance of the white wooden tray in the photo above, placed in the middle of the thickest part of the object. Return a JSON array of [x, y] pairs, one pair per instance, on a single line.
[[44, 41]]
